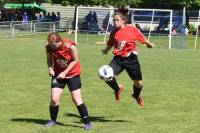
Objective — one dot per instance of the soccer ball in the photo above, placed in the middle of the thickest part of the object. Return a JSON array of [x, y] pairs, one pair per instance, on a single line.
[[106, 73]]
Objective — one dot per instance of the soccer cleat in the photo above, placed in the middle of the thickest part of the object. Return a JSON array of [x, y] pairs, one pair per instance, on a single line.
[[118, 93], [139, 100], [88, 126], [50, 123]]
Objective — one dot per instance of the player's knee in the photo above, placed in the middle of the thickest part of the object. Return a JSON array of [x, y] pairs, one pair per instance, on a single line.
[[77, 100], [54, 102], [138, 85]]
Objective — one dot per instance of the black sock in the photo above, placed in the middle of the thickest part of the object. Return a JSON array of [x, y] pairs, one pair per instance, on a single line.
[[113, 84], [136, 91], [84, 113], [53, 112]]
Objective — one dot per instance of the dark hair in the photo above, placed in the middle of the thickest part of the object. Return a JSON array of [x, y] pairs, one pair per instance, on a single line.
[[121, 11]]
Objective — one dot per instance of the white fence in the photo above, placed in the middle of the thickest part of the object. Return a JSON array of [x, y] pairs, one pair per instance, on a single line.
[[19, 28]]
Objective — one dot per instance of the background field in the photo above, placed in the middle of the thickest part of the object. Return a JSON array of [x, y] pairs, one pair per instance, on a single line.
[[171, 91]]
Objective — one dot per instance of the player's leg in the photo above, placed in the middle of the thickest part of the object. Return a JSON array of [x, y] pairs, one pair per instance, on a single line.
[[74, 85], [117, 69], [56, 92], [132, 67], [137, 88]]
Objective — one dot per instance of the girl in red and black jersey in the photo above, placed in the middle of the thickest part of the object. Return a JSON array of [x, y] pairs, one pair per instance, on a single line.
[[64, 67], [123, 38]]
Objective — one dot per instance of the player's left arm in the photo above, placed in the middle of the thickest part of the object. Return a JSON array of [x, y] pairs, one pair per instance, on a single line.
[[74, 54], [149, 44], [141, 38]]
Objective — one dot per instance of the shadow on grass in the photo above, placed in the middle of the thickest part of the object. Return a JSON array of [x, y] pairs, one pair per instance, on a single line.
[[41, 122], [96, 118]]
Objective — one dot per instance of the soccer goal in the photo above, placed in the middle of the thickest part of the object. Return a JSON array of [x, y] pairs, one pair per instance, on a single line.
[[93, 24], [197, 32]]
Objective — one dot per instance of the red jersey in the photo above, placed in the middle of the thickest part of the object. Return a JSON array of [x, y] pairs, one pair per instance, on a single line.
[[124, 40], [61, 58]]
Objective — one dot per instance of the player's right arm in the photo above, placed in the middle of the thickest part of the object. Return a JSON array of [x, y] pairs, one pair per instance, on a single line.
[[50, 64], [106, 49], [110, 44]]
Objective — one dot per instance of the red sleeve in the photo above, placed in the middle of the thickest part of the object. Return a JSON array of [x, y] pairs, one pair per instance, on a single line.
[[111, 41], [139, 36], [66, 40]]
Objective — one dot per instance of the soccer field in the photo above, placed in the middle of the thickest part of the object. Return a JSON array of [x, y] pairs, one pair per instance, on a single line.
[[171, 91]]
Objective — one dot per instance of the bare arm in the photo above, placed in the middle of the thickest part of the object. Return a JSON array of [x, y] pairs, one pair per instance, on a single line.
[[106, 49], [50, 64], [149, 44]]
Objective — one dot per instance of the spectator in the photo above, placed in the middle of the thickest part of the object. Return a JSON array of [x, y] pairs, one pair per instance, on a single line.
[[25, 18], [16, 17], [106, 24], [41, 18], [186, 31], [91, 22], [53, 17], [47, 18], [174, 32], [37, 16], [57, 20], [58, 16]]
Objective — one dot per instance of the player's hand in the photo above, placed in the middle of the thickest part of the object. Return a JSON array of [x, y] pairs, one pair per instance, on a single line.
[[150, 45], [51, 72], [62, 75], [103, 51]]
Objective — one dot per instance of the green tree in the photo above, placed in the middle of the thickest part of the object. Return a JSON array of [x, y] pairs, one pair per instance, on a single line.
[[21, 1], [170, 4], [97, 2], [161, 4]]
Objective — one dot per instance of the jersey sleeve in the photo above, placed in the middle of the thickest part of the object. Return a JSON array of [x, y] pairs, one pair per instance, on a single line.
[[139, 36], [68, 41]]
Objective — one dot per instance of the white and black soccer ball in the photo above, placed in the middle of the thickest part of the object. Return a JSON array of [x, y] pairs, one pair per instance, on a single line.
[[106, 73]]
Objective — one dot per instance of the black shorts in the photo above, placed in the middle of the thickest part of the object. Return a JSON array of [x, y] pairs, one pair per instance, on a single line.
[[72, 83], [130, 64]]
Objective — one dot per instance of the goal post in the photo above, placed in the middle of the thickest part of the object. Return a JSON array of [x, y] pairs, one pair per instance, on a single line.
[[149, 19], [155, 23], [197, 31], [85, 16]]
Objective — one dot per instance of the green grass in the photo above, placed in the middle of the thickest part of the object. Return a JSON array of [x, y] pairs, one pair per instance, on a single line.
[[171, 91]]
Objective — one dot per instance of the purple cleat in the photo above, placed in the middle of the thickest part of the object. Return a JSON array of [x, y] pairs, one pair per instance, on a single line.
[[88, 126], [50, 123]]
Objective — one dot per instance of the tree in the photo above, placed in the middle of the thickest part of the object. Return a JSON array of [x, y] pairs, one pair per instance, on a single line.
[[169, 4], [97, 2], [162, 4], [21, 1], [173, 4]]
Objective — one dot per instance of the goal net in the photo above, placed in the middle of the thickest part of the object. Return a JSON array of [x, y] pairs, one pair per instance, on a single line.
[[93, 25], [186, 36]]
